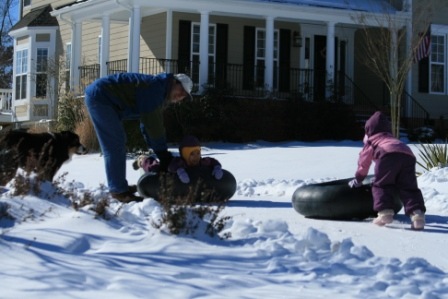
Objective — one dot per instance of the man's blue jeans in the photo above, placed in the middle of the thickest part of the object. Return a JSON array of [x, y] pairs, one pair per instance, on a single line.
[[108, 124]]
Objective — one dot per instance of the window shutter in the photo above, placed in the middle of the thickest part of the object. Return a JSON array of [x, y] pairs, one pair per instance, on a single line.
[[423, 75], [183, 52], [248, 57], [284, 59], [221, 55]]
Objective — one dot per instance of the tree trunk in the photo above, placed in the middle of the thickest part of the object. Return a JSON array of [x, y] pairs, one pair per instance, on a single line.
[[395, 113]]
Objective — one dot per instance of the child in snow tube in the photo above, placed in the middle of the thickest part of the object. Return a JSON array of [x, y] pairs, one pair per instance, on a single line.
[[190, 156]]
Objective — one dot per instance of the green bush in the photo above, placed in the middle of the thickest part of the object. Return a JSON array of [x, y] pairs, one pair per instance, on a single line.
[[422, 134], [433, 155]]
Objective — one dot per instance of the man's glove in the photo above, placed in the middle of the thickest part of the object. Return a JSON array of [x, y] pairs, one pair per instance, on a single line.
[[354, 183], [165, 158], [217, 172], [183, 175]]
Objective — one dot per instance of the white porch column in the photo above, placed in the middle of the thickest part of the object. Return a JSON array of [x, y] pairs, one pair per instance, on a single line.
[[30, 78], [269, 54], [203, 51], [76, 55], [105, 45], [134, 39], [330, 67], [169, 40], [52, 84]]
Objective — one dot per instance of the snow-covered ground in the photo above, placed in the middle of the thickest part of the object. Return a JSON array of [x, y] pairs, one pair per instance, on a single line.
[[53, 251]]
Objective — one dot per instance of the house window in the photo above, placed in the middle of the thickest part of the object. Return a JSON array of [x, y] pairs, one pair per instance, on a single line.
[[438, 67], [68, 62], [260, 50], [41, 72], [21, 73], [26, 3], [195, 49], [437, 64]]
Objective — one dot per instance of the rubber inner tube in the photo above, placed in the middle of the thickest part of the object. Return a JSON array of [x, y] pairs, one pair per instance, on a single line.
[[203, 186], [336, 200]]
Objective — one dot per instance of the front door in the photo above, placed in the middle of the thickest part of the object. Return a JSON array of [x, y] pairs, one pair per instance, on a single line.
[[320, 62]]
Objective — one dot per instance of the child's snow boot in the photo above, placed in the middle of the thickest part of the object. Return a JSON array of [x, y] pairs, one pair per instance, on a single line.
[[418, 220], [384, 217]]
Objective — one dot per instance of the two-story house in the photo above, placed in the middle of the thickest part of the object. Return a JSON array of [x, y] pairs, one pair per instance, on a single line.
[[311, 49]]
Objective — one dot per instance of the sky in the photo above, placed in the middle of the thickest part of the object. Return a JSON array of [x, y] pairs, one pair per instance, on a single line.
[[50, 250]]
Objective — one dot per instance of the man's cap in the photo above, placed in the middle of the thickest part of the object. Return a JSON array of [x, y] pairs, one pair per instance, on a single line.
[[186, 82]]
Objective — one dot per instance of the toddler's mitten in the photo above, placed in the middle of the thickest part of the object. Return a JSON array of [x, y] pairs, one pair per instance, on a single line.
[[217, 172], [354, 183], [183, 176]]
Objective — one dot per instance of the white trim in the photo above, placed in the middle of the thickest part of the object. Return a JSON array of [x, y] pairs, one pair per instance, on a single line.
[[105, 45], [76, 54], [269, 54], [168, 37], [134, 39], [329, 57], [203, 50], [439, 30]]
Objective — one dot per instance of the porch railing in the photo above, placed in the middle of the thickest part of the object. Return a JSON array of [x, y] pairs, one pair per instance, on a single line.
[[413, 115], [5, 100], [236, 79], [88, 74], [240, 80]]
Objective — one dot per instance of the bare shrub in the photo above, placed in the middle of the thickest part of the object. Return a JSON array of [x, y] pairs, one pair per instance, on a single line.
[[86, 132], [8, 165], [84, 199], [70, 111], [190, 213]]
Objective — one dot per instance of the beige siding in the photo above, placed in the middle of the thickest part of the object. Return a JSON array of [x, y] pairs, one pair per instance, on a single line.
[[90, 33], [21, 110], [119, 41], [152, 38], [22, 40], [42, 37]]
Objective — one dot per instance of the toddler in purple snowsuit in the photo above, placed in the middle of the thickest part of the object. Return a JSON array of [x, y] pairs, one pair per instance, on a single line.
[[394, 171]]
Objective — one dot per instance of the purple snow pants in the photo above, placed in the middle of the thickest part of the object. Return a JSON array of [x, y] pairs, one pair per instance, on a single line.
[[396, 172]]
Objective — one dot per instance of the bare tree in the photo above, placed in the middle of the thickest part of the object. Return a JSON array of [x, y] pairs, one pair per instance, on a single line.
[[390, 42], [6, 45]]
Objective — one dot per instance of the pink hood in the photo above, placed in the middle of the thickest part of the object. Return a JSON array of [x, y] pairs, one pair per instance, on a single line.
[[380, 142]]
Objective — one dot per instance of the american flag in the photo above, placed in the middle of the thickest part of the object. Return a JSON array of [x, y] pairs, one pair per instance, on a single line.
[[423, 48]]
